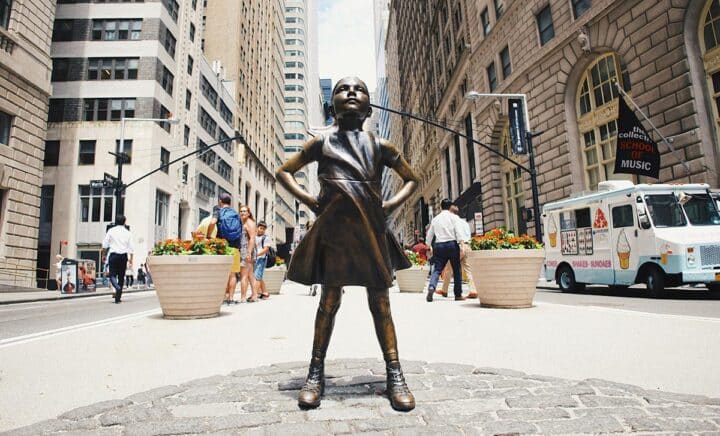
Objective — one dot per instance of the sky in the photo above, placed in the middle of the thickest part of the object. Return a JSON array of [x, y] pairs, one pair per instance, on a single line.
[[346, 40]]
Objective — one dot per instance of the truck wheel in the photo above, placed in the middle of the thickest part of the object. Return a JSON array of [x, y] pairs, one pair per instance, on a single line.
[[566, 280], [714, 289], [655, 282]]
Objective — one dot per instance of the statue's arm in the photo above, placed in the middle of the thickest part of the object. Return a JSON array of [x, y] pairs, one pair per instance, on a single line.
[[403, 169], [285, 174]]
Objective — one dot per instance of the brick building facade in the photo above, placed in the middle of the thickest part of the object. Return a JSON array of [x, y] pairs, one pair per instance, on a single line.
[[25, 33], [565, 55]]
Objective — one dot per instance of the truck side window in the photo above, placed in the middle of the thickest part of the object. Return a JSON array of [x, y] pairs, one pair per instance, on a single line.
[[622, 216], [583, 218]]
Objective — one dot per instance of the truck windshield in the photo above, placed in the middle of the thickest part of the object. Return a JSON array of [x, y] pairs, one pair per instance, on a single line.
[[664, 210], [701, 211]]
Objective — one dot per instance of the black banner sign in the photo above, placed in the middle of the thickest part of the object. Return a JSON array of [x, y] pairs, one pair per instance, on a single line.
[[516, 115], [636, 152]]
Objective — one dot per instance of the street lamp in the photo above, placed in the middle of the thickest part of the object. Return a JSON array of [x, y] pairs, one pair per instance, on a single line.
[[120, 155], [529, 136], [532, 170]]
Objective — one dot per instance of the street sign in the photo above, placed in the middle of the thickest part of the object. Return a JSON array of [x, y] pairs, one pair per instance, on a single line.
[[97, 183], [109, 179]]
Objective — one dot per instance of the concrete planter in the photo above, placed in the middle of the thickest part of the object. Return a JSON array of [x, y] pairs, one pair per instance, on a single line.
[[190, 287], [274, 278], [506, 278], [412, 279]]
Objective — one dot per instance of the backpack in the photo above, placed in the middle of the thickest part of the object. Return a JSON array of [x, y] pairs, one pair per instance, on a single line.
[[229, 225], [270, 258]]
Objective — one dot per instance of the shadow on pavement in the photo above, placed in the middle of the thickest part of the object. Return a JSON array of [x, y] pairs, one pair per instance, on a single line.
[[700, 293]]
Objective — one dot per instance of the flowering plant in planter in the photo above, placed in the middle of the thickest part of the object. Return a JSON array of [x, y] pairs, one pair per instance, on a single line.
[[499, 238], [196, 246], [279, 261], [414, 258]]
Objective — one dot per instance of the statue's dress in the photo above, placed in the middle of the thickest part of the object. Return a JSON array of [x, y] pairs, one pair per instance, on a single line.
[[349, 244]]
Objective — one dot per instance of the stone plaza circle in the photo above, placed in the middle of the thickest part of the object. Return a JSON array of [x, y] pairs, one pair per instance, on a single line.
[[452, 399]]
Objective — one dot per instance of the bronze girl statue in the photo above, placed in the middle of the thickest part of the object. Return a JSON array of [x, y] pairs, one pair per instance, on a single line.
[[350, 244]]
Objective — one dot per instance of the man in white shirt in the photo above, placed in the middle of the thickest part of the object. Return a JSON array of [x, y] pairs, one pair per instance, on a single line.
[[464, 248], [447, 235], [118, 247]]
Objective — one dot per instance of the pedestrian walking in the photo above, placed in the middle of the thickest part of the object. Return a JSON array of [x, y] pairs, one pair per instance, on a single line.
[[148, 276], [226, 223], [118, 248], [464, 249], [446, 248], [58, 270], [350, 244], [263, 244], [129, 276]]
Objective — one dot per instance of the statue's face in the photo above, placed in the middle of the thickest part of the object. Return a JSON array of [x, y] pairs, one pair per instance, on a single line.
[[351, 96]]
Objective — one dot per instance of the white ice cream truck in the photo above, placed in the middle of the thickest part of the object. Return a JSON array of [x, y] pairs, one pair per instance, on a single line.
[[660, 235]]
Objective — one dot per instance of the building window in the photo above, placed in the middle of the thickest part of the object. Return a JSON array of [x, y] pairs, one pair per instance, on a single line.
[[448, 173], [112, 69], [513, 198], [458, 164], [506, 64], [63, 30], [294, 31], [294, 100], [296, 88], [545, 25], [188, 99], [208, 157], [208, 91], [294, 76], [294, 136], [192, 32], [166, 80], [597, 118], [172, 8], [206, 187], [294, 20], [225, 113], [207, 123], [580, 6], [711, 41], [165, 159], [185, 170], [224, 170], [104, 109], [294, 112], [60, 69], [169, 43], [492, 77], [293, 53], [186, 136], [485, 21], [499, 8], [194, 4], [113, 30], [47, 200], [87, 152], [470, 146], [52, 153], [5, 9], [190, 64], [162, 205], [126, 148], [96, 204], [56, 110], [294, 10], [5, 127], [294, 42]]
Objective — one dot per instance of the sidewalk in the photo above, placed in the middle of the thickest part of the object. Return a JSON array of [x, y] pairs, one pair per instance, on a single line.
[[42, 295], [543, 370]]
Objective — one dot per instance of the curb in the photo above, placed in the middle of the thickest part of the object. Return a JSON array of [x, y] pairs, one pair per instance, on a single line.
[[70, 296]]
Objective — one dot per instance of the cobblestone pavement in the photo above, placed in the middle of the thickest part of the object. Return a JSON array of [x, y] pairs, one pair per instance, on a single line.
[[451, 399]]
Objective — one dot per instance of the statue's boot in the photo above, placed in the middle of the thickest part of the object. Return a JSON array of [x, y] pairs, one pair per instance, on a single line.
[[401, 399], [309, 396]]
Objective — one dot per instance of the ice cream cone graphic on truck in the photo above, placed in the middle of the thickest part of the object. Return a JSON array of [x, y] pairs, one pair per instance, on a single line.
[[623, 250], [553, 232]]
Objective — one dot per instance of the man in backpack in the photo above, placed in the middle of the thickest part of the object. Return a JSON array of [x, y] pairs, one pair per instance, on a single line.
[[230, 228], [263, 244]]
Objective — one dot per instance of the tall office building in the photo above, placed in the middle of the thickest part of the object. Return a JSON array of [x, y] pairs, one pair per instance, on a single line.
[[566, 57], [303, 108], [247, 37], [134, 61], [25, 33], [326, 86]]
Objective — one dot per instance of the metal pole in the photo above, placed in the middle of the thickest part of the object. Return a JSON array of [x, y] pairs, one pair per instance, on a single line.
[[119, 206], [534, 187]]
